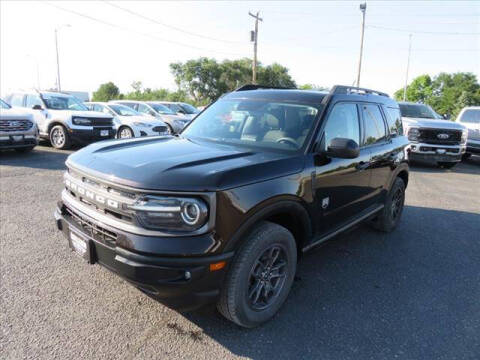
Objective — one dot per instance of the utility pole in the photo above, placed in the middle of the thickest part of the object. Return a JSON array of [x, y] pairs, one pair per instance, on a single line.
[[363, 9], [408, 66], [255, 39], [59, 88]]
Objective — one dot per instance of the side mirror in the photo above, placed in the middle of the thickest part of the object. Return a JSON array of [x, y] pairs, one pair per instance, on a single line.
[[343, 148], [37, 107]]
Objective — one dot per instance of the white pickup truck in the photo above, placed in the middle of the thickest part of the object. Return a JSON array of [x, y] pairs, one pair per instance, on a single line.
[[432, 138]]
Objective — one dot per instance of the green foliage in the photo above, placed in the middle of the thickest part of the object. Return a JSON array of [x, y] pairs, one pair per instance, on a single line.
[[205, 80], [106, 92], [445, 93], [312, 87]]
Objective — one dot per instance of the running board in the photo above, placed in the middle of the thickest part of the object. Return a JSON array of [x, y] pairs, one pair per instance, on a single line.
[[343, 228]]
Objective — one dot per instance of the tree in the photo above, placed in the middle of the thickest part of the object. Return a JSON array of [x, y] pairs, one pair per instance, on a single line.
[[205, 80], [106, 92], [445, 93]]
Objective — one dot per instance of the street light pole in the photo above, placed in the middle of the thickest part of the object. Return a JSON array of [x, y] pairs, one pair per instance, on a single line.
[[363, 9], [408, 67], [255, 38], [59, 88]]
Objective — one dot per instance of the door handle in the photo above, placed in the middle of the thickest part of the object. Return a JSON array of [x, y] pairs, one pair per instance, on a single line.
[[362, 165]]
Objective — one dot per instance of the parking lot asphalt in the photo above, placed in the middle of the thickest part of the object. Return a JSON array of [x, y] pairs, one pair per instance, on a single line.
[[411, 294]]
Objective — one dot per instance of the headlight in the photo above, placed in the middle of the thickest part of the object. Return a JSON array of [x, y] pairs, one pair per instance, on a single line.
[[464, 136], [171, 213], [82, 121], [179, 123], [142, 124], [413, 134]]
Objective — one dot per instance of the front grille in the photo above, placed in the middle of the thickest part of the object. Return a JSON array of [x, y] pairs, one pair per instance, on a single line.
[[430, 136], [160, 129], [15, 125], [97, 121], [93, 230]]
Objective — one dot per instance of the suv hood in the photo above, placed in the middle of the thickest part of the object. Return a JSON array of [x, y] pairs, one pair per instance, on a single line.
[[15, 114], [88, 114], [180, 164], [431, 123]]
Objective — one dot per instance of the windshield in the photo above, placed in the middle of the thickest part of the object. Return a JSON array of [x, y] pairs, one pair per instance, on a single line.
[[418, 111], [123, 110], [161, 109], [259, 123], [174, 107], [189, 109], [63, 102], [4, 105]]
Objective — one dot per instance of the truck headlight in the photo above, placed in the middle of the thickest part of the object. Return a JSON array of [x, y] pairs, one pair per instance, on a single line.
[[171, 213], [463, 140], [82, 121], [413, 134]]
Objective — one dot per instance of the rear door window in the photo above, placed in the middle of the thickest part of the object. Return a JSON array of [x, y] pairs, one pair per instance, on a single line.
[[373, 124]]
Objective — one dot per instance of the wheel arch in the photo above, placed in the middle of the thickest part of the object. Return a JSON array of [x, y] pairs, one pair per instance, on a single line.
[[289, 213]]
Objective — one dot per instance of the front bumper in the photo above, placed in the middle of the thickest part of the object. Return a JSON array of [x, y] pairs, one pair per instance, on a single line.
[[91, 134], [17, 141], [438, 153], [180, 282]]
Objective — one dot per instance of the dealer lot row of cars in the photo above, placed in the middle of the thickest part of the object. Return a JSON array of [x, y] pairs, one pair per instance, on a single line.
[[63, 120]]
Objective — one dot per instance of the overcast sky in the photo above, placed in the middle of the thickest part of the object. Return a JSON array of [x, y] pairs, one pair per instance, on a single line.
[[317, 41]]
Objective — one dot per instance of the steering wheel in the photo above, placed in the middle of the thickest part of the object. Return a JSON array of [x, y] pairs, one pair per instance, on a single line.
[[289, 141]]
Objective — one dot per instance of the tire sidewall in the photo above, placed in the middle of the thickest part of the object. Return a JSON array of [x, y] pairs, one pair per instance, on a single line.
[[123, 128], [392, 223], [257, 244]]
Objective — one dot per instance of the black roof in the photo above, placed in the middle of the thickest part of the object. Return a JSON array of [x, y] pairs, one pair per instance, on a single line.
[[338, 92]]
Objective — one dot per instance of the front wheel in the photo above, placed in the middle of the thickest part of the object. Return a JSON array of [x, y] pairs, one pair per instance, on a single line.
[[388, 218], [59, 137], [260, 276], [447, 165], [125, 133]]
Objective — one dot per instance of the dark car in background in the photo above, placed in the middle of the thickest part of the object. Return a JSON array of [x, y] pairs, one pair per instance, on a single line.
[[222, 212]]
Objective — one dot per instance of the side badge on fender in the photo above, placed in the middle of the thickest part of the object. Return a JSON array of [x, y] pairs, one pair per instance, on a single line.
[[325, 202]]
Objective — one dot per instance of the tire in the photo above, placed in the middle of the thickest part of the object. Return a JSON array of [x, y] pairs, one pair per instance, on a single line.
[[250, 272], [447, 165], [125, 133], [24, 149], [59, 137], [388, 218]]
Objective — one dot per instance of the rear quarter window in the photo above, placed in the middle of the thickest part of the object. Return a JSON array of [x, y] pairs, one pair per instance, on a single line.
[[394, 121]]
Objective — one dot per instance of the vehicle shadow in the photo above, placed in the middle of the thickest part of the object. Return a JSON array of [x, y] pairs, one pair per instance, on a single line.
[[40, 157], [412, 293], [469, 166]]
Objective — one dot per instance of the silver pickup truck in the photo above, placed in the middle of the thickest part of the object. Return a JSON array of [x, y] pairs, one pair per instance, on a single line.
[[432, 138], [17, 129]]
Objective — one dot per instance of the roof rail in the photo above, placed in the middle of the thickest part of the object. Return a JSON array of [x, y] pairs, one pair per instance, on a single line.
[[342, 89], [256, 87]]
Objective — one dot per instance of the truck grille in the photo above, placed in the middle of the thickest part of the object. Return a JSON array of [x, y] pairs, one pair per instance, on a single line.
[[430, 136], [98, 121], [93, 230], [15, 125]]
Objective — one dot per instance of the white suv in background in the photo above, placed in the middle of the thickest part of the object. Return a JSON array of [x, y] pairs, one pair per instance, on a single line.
[[128, 122], [17, 129], [174, 122], [62, 118], [470, 118]]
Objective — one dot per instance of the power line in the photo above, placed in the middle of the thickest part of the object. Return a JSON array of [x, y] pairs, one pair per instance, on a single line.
[[420, 32], [170, 26], [137, 32]]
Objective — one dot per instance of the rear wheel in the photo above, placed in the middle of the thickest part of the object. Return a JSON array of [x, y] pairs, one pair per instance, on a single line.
[[389, 216], [260, 276], [125, 133], [59, 137], [447, 165]]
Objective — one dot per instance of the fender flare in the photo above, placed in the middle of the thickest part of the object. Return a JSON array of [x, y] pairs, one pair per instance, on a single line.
[[265, 211]]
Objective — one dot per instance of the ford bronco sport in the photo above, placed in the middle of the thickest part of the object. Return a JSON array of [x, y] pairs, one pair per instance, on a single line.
[[222, 212]]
